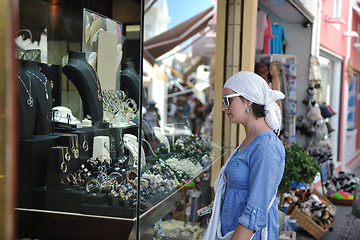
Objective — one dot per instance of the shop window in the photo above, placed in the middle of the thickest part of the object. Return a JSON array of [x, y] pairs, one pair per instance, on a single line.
[[330, 89], [351, 117], [337, 8]]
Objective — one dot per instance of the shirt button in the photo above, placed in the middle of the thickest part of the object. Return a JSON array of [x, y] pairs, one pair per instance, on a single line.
[[254, 211]]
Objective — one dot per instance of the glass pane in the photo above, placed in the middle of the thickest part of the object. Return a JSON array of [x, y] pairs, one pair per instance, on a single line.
[[78, 117], [177, 116], [352, 106]]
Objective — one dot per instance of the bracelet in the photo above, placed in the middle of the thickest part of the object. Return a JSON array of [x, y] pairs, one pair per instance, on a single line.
[[129, 178], [93, 186]]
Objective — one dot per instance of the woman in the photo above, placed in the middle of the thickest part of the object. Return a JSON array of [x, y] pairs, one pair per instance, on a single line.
[[244, 206]]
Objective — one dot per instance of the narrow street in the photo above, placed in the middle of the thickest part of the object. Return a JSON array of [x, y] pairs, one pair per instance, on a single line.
[[344, 227]]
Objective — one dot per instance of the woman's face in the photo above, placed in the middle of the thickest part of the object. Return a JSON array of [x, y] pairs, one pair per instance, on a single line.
[[236, 110]]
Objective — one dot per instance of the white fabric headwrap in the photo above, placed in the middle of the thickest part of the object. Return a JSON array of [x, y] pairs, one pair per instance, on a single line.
[[255, 89]]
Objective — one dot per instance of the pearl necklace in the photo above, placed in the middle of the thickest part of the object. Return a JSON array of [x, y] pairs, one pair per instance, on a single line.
[[44, 83], [30, 100]]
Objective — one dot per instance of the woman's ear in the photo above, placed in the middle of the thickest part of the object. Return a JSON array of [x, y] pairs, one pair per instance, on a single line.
[[247, 103]]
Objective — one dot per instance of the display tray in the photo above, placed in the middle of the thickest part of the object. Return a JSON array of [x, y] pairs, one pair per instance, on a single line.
[[46, 224], [80, 201]]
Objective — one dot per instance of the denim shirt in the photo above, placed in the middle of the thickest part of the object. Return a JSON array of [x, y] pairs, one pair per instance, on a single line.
[[252, 177]]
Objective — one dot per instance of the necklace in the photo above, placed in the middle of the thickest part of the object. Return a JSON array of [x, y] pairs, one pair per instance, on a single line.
[[74, 144], [96, 80], [63, 165], [43, 82], [30, 100], [85, 144]]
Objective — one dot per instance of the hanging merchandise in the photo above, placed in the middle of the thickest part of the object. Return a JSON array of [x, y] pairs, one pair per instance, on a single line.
[[261, 26], [278, 39], [283, 71], [317, 129], [315, 78], [267, 37]]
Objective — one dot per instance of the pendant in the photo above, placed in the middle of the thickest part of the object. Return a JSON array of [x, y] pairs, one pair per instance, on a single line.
[[85, 146], [99, 95], [30, 101], [47, 95], [76, 153], [67, 156]]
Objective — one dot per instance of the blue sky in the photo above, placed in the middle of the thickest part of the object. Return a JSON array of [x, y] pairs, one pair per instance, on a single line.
[[182, 10]]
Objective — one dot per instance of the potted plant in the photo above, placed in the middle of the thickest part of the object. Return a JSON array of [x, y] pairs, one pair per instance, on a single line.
[[300, 167]]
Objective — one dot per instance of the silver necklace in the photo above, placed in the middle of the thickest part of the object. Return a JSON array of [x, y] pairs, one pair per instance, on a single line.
[[44, 83], [30, 100]]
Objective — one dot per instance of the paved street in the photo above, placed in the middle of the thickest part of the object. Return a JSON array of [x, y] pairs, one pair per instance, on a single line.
[[344, 227]]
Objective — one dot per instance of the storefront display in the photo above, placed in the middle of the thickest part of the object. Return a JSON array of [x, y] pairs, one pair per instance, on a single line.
[[81, 158]]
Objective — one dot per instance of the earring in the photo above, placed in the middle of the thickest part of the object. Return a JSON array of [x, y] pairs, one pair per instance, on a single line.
[[248, 110]]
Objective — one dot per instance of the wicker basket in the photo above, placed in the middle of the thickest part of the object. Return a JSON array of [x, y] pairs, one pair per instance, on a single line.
[[341, 201], [307, 223]]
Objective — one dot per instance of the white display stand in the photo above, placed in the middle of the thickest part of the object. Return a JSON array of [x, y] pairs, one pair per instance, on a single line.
[[131, 143], [101, 148]]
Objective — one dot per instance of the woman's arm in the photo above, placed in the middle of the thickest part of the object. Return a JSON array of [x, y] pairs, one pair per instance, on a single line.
[[242, 233]]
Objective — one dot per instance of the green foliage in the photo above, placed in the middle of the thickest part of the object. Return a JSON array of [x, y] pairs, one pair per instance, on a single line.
[[300, 167]]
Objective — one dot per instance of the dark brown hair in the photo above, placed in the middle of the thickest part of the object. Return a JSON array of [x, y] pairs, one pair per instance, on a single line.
[[258, 110]]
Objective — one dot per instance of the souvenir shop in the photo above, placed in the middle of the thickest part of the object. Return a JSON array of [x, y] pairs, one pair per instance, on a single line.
[[282, 57]]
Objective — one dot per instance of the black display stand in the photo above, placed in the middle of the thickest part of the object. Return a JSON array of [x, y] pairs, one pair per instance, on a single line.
[[43, 97], [26, 105], [53, 73], [86, 81], [130, 82], [32, 157]]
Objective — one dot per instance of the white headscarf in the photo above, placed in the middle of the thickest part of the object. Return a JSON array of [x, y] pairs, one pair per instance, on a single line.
[[255, 89]]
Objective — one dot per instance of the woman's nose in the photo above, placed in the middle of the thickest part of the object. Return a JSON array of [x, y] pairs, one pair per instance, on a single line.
[[224, 107]]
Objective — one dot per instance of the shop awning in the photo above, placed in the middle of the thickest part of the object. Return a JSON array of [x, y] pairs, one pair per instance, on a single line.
[[164, 42]]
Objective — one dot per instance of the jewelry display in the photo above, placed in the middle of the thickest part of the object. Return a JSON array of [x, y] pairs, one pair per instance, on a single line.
[[94, 164], [126, 191], [85, 145], [63, 165], [30, 100], [42, 81], [65, 180], [76, 149], [74, 144], [162, 138], [108, 158], [101, 148], [67, 155], [131, 143], [101, 183], [131, 176], [117, 109], [96, 79], [93, 186]]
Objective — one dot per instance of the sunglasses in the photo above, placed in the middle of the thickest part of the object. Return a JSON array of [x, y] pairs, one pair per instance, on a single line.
[[226, 100]]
